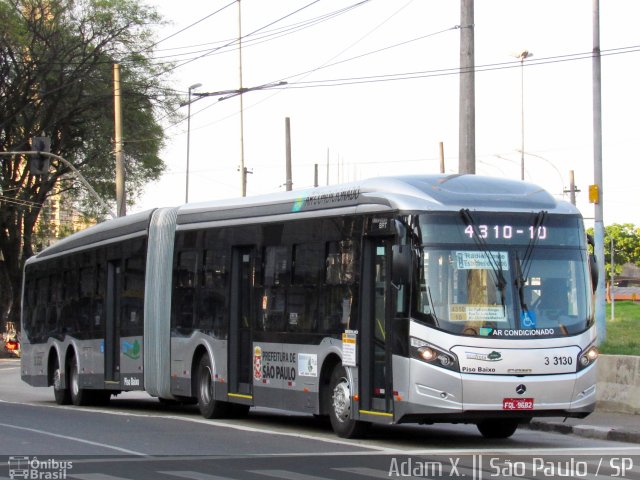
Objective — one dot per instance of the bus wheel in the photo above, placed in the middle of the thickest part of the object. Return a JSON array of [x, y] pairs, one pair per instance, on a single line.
[[61, 394], [340, 406], [497, 428], [79, 396], [209, 408]]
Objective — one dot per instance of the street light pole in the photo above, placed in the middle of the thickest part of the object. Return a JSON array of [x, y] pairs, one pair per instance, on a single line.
[[522, 55], [192, 87]]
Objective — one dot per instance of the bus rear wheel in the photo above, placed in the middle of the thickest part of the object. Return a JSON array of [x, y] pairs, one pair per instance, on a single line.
[[79, 396], [61, 394], [340, 406], [497, 428], [209, 407]]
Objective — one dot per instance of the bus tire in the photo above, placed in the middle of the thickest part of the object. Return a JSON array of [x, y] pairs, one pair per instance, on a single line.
[[61, 394], [497, 428], [209, 407], [79, 396], [340, 406]]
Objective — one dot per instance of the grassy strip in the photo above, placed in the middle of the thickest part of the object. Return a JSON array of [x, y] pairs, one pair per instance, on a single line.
[[623, 333]]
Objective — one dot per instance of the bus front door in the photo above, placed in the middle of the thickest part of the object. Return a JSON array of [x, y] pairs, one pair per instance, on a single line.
[[375, 372], [239, 344]]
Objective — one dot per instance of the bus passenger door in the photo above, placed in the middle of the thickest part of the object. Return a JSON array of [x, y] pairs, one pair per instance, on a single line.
[[375, 372], [241, 311], [112, 323]]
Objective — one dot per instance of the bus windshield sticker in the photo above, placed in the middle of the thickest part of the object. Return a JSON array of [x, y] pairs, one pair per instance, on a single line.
[[476, 313], [474, 260], [349, 349]]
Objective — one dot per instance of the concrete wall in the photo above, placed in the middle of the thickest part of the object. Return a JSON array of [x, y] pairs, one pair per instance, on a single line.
[[619, 384]]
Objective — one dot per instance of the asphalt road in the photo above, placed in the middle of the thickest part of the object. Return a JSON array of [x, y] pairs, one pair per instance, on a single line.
[[136, 437]]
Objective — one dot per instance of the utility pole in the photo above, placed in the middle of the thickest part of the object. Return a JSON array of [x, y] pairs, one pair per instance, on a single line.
[[315, 175], [524, 54], [243, 170], [287, 128], [441, 157], [327, 167], [120, 190], [467, 133], [572, 188], [598, 229]]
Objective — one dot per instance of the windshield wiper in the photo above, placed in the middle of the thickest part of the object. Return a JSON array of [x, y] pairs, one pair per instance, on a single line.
[[520, 283], [523, 267], [535, 236]]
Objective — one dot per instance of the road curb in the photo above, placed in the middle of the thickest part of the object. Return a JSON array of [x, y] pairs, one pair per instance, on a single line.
[[587, 431]]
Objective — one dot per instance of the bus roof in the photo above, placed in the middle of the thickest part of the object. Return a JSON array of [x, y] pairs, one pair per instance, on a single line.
[[130, 225], [402, 193]]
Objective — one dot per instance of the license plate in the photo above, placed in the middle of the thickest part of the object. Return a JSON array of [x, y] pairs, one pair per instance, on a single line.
[[517, 404]]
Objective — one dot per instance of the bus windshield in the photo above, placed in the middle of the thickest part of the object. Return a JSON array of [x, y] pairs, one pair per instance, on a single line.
[[499, 285]]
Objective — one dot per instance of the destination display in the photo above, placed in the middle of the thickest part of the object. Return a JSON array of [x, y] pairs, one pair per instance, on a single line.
[[502, 229]]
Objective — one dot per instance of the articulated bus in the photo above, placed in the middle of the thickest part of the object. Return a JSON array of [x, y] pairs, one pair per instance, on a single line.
[[423, 299]]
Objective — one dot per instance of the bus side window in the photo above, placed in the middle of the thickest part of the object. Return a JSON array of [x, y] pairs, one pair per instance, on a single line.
[[308, 261], [277, 273], [212, 295], [184, 291], [133, 296], [339, 276]]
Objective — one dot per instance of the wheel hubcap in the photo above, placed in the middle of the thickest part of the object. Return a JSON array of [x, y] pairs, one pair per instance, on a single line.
[[75, 387], [342, 400], [57, 380]]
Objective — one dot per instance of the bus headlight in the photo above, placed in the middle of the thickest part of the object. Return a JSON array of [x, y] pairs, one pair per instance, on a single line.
[[587, 357], [429, 353]]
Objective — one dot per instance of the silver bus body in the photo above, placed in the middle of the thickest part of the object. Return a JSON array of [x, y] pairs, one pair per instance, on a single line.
[[501, 375]]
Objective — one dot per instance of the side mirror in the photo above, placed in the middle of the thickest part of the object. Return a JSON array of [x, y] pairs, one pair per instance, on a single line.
[[401, 264], [593, 264]]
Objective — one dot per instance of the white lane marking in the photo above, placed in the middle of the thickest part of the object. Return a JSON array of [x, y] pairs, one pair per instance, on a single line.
[[75, 439], [95, 476], [286, 475], [194, 475], [366, 471]]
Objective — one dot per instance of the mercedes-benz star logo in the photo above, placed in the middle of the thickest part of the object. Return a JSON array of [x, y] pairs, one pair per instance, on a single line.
[[520, 389]]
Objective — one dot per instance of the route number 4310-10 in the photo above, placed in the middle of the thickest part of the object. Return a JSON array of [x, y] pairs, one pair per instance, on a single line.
[[506, 232]]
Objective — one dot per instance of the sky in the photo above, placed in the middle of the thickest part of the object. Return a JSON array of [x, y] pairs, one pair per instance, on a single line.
[[373, 89]]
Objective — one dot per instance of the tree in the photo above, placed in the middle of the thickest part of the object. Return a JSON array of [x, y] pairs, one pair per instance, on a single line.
[[626, 245], [56, 80]]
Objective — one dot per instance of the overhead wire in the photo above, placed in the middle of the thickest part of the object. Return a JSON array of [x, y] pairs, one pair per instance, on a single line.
[[190, 26], [264, 36], [287, 29], [211, 51], [455, 70], [412, 75], [304, 74]]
